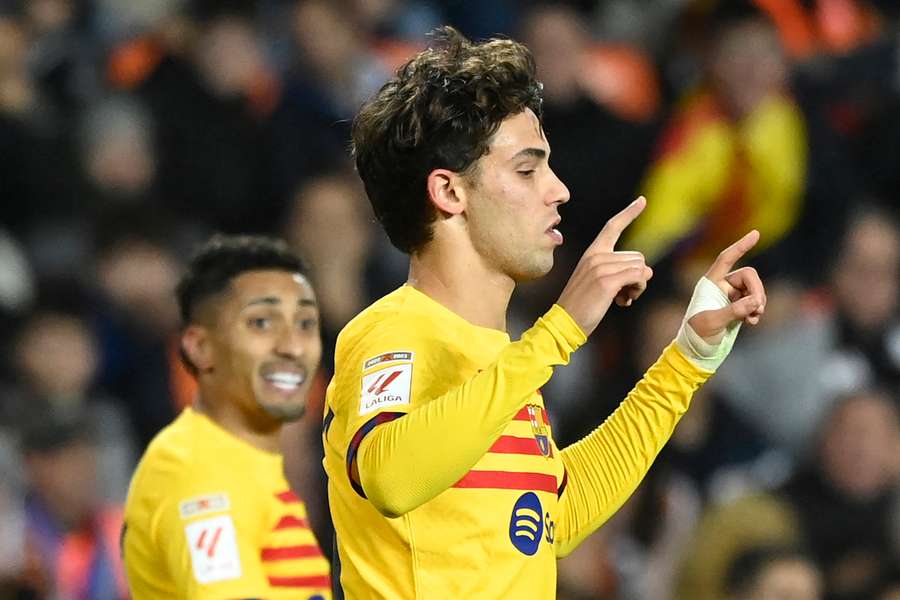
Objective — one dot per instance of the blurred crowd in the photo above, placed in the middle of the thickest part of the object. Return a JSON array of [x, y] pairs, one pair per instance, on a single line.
[[132, 129]]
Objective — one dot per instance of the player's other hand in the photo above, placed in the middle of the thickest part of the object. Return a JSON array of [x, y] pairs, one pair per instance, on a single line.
[[604, 275], [744, 288]]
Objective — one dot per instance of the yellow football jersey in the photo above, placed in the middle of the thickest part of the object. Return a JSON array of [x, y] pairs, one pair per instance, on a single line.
[[210, 516], [498, 530]]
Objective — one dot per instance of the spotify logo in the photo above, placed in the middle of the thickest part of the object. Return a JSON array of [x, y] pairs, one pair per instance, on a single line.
[[526, 524]]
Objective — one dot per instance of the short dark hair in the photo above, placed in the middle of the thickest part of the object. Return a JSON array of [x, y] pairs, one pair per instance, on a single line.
[[222, 258], [439, 111]]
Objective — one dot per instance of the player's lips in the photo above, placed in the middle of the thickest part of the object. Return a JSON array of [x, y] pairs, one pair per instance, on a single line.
[[554, 233]]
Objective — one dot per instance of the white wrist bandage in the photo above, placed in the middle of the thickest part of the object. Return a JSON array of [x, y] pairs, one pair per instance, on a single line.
[[706, 353]]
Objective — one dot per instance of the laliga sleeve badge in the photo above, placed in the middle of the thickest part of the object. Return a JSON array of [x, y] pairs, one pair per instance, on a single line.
[[388, 386], [214, 551]]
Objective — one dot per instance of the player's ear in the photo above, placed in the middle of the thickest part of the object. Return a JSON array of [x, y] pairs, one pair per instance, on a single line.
[[446, 191], [195, 344]]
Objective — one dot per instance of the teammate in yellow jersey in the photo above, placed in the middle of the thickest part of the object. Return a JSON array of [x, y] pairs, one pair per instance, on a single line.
[[209, 513], [444, 480]]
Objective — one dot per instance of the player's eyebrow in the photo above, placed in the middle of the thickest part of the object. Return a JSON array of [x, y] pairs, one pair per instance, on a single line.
[[275, 300], [269, 300], [538, 153]]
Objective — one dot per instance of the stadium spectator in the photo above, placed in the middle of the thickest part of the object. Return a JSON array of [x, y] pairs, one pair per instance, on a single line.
[[57, 360], [71, 536], [333, 71], [839, 504], [136, 270], [845, 496], [733, 156], [774, 572]]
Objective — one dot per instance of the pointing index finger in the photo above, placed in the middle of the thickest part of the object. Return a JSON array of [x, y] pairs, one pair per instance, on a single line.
[[726, 260], [609, 235]]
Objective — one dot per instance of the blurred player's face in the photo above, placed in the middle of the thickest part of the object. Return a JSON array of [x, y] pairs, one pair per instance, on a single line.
[[515, 196], [858, 453], [866, 279], [266, 345], [65, 480], [788, 580], [57, 356], [748, 66]]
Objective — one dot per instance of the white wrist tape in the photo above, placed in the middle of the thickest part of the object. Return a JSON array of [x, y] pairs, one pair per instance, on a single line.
[[706, 353]]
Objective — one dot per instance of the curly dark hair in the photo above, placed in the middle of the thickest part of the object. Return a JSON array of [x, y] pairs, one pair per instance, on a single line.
[[222, 258], [439, 112]]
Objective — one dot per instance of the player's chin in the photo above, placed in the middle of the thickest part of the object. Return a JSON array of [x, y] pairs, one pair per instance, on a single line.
[[535, 267], [283, 405], [284, 410]]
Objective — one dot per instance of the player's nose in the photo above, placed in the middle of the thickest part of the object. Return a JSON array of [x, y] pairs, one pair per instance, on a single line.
[[291, 343], [559, 193]]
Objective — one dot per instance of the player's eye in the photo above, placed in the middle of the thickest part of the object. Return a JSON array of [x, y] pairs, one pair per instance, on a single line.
[[260, 323], [526, 172], [309, 324]]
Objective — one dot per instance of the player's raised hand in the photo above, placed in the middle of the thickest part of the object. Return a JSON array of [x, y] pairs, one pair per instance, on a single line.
[[604, 275], [743, 287]]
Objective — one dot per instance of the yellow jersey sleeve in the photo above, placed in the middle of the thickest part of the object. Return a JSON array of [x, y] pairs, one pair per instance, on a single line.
[[604, 468], [208, 535], [404, 462]]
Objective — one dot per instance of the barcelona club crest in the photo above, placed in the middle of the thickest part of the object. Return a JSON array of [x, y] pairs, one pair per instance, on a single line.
[[540, 428]]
